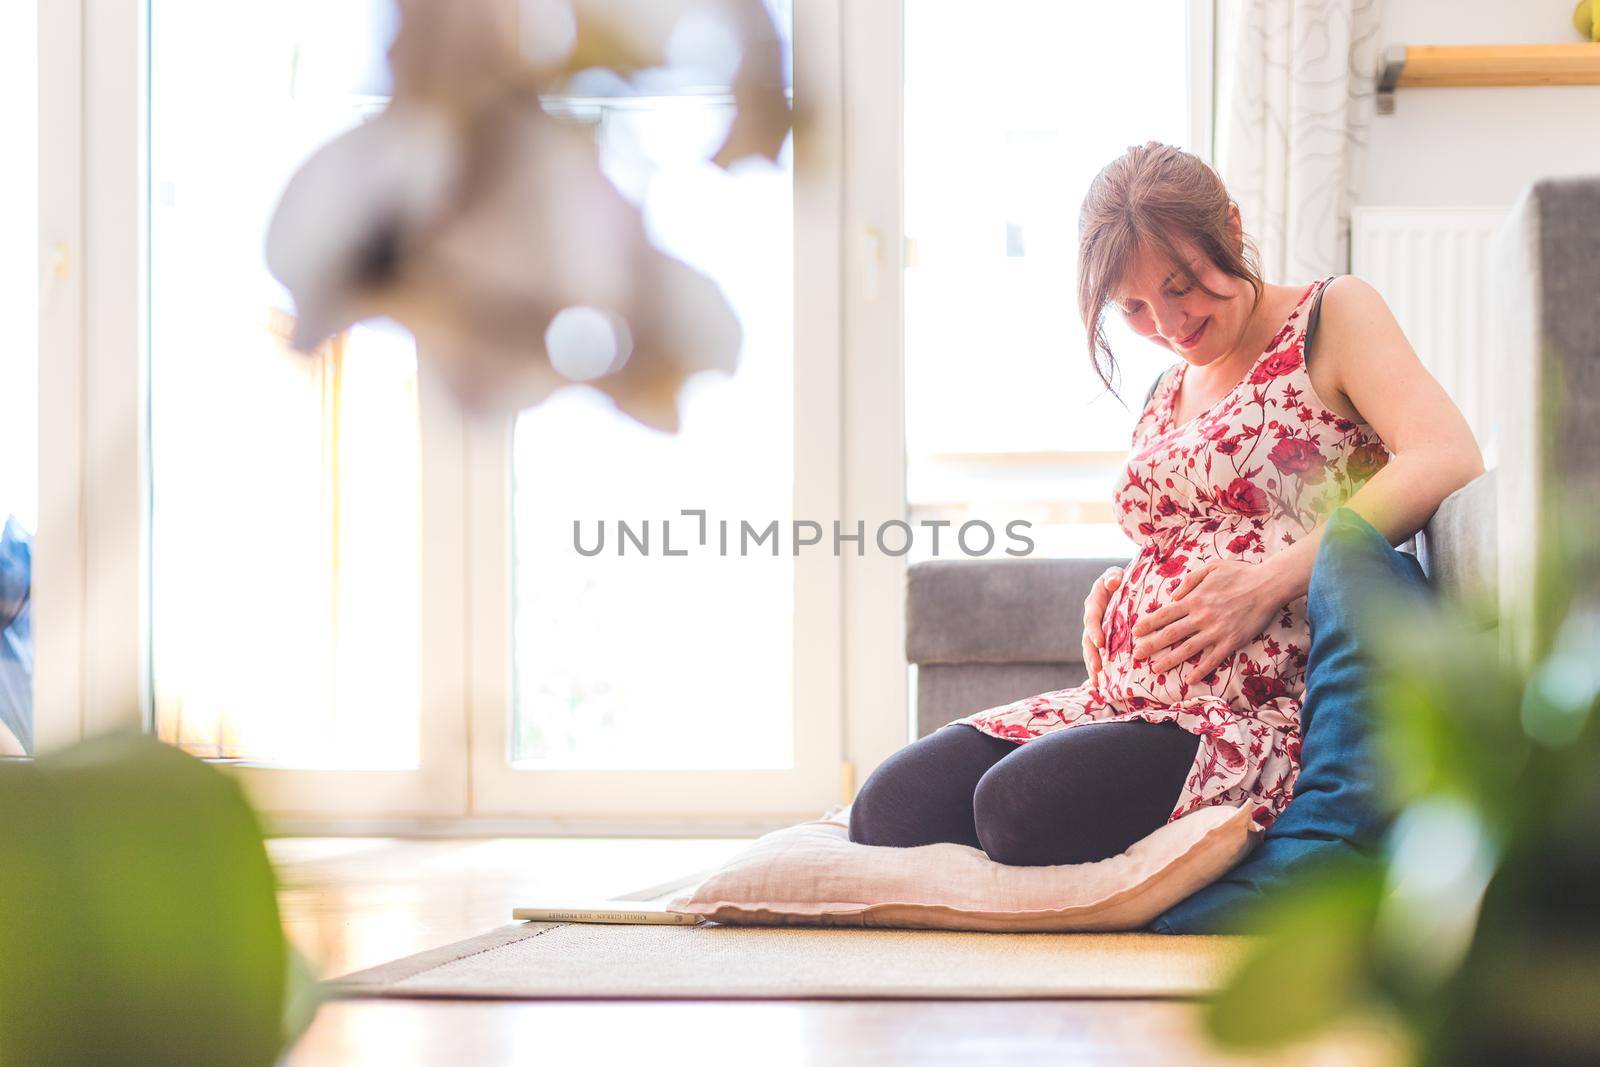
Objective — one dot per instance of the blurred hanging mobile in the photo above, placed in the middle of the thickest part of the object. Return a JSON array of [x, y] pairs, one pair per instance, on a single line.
[[487, 228]]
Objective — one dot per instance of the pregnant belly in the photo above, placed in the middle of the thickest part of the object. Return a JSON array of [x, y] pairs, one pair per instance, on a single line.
[[1262, 679]]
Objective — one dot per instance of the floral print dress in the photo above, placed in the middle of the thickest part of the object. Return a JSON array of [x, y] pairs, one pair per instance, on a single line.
[[1250, 475]]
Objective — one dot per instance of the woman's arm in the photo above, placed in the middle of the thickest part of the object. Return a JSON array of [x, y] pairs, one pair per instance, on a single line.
[[1434, 452]]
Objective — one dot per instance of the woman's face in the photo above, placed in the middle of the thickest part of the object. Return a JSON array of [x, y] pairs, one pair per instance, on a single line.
[[1160, 303]]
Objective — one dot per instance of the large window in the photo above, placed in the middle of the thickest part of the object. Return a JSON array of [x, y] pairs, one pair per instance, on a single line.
[[669, 646], [1005, 418], [672, 649], [285, 493], [312, 612]]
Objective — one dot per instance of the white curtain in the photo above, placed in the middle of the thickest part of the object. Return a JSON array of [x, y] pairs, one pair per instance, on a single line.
[[1296, 101]]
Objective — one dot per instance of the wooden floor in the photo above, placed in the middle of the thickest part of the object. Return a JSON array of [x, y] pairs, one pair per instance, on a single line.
[[354, 903]]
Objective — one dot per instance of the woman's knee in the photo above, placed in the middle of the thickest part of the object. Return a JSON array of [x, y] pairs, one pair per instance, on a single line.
[[923, 793], [1021, 825], [868, 823], [1011, 826], [1081, 795]]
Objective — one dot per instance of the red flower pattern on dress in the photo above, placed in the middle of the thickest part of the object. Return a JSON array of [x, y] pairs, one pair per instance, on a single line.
[[1171, 567], [1366, 461], [1301, 458], [1119, 638], [1244, 496], [1258, 471], [1239, 544], [1275, 365], [1261, 688]]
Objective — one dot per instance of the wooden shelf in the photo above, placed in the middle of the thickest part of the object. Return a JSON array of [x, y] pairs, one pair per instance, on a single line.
[[1440, 66]]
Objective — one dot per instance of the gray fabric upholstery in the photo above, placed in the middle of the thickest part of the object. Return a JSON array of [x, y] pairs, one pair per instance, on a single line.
[[999, 611], [985, 632], [1546, 278], [1457, 547]]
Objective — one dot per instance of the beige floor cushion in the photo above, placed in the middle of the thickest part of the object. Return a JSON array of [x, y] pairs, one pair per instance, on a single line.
[[812, 874]]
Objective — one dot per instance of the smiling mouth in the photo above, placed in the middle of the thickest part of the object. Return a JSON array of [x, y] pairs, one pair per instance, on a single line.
[[1194, 338]]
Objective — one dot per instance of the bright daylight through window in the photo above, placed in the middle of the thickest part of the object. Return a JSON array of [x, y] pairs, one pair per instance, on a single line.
[[629, 660], [1005, 419], [285, 507]]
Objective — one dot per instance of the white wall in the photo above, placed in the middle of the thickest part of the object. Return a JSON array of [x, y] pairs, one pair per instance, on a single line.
[[1479, 147]]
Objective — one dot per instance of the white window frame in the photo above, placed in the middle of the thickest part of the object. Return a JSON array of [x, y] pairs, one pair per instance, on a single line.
[[92, 587], [57, 593], [877, 722]]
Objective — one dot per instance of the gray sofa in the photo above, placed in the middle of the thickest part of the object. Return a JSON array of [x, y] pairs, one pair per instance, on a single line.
[[985, 632]]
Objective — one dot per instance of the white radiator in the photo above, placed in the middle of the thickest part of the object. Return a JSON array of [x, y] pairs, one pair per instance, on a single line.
[[1432, 267]]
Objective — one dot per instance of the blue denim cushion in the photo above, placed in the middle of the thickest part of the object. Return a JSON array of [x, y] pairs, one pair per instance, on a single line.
[[1336, 809]]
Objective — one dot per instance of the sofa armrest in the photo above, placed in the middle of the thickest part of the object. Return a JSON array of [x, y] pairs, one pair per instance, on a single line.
[[986, 632], [1458, 551], [1547, 330], [999, 611]]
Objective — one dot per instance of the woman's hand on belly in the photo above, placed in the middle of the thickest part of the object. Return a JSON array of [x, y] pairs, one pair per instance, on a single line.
[[1216, 609], [1122, 675], [1094, 616], [1119, 672], [1128, 679]]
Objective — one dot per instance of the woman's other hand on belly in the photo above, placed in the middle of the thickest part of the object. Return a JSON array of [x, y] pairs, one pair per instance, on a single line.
[[1215, 610], [1094, 618]]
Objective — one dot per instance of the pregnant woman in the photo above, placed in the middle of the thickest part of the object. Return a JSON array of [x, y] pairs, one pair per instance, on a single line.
[[1196, 650]]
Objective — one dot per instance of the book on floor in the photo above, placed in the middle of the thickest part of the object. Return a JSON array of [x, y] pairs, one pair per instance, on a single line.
[[606, 911]]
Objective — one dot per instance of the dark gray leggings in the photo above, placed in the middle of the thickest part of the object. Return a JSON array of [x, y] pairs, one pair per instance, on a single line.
[[1071, 796]]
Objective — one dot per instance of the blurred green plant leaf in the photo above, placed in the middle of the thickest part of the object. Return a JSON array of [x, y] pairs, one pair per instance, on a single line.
[[138, 913], [1560, 697], [1309, 967], [1440, 858], [1445, 694], [302, 999], [1533, 1000]]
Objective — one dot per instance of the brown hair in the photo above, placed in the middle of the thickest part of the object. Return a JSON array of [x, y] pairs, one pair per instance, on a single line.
[[1152, 196]]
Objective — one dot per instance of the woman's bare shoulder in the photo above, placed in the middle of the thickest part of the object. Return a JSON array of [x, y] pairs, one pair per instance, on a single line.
[[1354, 322], [1357, 304], [1379, 372]]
